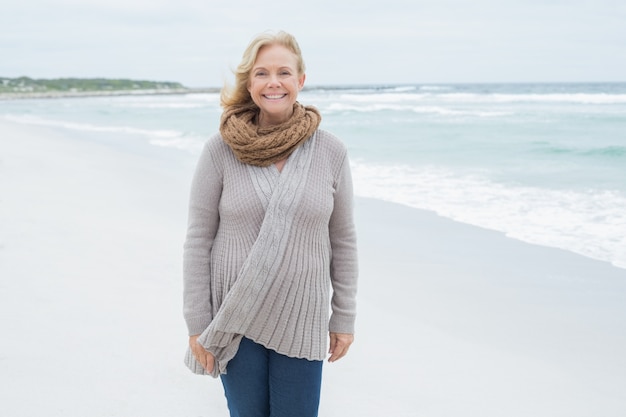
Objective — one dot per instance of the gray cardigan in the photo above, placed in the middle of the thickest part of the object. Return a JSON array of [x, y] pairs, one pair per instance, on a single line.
[[263, 248]]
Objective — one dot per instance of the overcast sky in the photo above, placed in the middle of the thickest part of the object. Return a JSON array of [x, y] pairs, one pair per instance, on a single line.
[[197, 42]]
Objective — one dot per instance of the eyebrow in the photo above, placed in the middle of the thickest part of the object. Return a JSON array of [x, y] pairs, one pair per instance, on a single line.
[[280, 68]]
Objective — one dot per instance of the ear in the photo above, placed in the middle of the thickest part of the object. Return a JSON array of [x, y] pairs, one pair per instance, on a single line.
[[301, 81]]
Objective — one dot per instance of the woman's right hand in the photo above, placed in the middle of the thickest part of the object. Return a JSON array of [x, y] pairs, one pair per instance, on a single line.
[[205, 358]]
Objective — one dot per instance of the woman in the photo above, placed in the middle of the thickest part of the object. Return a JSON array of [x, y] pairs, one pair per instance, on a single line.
[[270, 232]]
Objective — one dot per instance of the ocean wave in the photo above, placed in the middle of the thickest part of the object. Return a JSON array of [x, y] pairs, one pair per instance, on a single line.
[[572, 98], [359, 89], [156, 105], [475, 98], [402, 89], [435, 88], [610, 152], [162, 138], [189, 101], [39, 121], [591, 223], [438, 110], [192, 144]]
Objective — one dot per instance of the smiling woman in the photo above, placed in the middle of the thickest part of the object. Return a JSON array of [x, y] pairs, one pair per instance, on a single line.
[[270, 232]]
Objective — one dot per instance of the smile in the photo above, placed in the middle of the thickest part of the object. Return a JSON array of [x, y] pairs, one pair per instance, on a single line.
[[274, 96]]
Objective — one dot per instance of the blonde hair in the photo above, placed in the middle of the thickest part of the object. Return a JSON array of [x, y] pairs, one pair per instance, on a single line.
[[238, 95]]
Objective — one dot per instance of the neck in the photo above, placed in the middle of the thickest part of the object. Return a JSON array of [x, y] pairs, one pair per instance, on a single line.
[[265, 120]]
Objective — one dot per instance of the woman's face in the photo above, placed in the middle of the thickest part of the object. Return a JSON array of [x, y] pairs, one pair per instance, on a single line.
[[274, 84]]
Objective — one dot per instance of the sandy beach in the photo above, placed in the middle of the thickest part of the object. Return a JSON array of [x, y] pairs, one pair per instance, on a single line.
[[454, 320]]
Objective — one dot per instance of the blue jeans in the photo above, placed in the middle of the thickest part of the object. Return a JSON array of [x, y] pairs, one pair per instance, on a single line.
[[262, 383]]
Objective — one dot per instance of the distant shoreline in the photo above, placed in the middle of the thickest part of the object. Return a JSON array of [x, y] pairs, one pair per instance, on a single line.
[[107, 93], [24, 95], [149, 92], [52, 94]]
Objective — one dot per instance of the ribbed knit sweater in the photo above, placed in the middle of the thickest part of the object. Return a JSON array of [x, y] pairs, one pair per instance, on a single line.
[[264, 248]]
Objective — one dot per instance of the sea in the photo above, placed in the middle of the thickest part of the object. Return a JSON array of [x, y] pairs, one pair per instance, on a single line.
[[542, 163]]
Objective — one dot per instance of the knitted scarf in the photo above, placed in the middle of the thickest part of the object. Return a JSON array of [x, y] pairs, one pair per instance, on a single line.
[[265, 146]]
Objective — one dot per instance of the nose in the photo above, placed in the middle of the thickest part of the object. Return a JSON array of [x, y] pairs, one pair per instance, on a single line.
[[274, 81]]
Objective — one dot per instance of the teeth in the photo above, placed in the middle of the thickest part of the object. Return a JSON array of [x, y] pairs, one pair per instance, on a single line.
[[275, 96]]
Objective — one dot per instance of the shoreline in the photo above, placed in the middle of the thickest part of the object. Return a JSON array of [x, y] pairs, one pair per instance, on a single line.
[[217, 90], [463, 320], [79, 94], [148, 92], [527, 241]]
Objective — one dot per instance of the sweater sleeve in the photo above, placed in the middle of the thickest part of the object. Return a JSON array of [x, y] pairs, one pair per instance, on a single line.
[[344, 263], [203, 221]]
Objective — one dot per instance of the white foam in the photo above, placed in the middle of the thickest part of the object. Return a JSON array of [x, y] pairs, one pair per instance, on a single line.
[[575, 98], [434, 95], [189, 101], [192, 144], [404, 88], [160, 137], [420, 109], [435, 88], [591, 223], [87, 127], [157, 105]]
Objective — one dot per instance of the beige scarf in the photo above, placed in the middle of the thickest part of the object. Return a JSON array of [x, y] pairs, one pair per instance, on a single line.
[[265, 146]]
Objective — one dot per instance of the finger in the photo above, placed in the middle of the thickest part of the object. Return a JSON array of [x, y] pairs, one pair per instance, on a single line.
[[335, 356], [202, 359], [210, 362], [200, 354], [339, 353], [333, 343], [341, 345]]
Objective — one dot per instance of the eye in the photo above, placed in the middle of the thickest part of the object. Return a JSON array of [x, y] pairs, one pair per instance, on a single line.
[[260, 74]]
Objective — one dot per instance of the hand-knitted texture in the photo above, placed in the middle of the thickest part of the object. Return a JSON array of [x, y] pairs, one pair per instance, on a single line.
[[265, 146], [263, 247]]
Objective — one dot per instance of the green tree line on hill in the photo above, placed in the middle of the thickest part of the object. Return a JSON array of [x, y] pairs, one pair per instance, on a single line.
[[30, 85]]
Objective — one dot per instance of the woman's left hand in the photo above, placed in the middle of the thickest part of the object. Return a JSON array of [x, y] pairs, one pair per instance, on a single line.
[[339, 345]]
